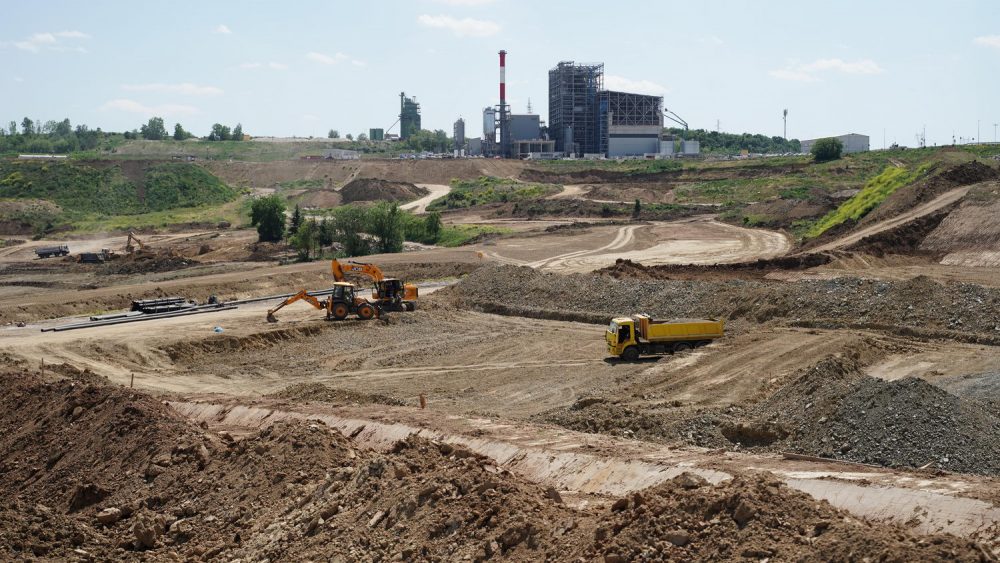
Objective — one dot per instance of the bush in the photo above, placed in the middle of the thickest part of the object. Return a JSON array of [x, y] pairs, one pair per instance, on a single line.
[[268, 215], [825, 150]]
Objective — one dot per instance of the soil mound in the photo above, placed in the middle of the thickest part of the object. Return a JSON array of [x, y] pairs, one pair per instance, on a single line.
[[834, 410], [375, 189], [627, 269], [325, 394], [961, 311], [96, 472], [748, 518], [146, 263]]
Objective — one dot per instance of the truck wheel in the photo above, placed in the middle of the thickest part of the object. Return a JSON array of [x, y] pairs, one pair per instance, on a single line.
[[366, 312], [630, 354], [340, 311], [682, 346], [410, 306]]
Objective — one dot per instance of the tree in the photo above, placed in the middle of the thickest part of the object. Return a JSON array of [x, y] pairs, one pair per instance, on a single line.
[[27, 127], [333, 134], [293, 228], [636, 209], [825, 150], [349, 222], [385, 222], [268, 215], [326, 233], [63, 128], [306, 239], [12, 128], [433, 226], [154, 130], [238, 132], [362, 137], [179, 133], [350, 137], [219, 133]]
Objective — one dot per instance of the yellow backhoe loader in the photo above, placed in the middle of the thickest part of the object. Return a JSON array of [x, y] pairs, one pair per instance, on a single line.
[[391, 294], [338, 305]]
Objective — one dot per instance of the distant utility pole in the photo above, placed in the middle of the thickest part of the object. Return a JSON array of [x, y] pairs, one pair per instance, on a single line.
[[995, 132], [979, 139], [784, 117]]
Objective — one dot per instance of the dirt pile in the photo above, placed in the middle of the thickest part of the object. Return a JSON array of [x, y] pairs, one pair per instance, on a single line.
[[375, 189], [92, 471], [627, 269], [965, 312], [753, 517], [906, 198], [325, 394], [146, 263], [905, 239], [834, 410]]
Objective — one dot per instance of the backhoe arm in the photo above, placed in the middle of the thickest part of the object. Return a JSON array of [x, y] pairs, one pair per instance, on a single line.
[[300, 296], [370, 270]]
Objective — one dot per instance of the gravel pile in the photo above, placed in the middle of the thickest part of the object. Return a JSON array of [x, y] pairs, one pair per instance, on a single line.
[[834, 410], [969, 312]]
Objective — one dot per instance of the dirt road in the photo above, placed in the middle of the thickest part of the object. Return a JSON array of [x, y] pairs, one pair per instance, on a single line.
[[420, 205], [693, 241], [935, 204]]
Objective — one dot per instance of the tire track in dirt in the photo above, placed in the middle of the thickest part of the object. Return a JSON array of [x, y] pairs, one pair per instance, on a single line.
[[420, 205], [931, 206]]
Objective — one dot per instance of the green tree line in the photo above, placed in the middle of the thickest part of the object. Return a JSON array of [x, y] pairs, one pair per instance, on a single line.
[[358, 230], [732, 143]]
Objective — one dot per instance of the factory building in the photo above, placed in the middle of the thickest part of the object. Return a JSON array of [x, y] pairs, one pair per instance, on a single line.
[[630, 124], [458, 133], [587, 120], [376, 134], [853, 142], [409, 116], [573, 92]]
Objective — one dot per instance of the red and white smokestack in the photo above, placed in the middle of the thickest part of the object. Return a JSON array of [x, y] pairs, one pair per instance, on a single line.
[[503, 77]]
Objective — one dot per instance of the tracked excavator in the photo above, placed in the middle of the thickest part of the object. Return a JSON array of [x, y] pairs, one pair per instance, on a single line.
[[341, 303], [132, 248], [391, 294]]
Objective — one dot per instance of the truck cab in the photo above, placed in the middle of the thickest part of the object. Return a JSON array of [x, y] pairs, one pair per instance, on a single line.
[[620, 335]]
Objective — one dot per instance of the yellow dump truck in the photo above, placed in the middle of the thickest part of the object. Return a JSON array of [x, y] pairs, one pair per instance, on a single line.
[[640, 335]]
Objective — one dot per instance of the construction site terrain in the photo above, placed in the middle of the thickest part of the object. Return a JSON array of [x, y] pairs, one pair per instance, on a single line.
[[851, 412]]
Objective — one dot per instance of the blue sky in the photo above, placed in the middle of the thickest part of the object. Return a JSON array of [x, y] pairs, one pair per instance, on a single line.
[[301, 68]]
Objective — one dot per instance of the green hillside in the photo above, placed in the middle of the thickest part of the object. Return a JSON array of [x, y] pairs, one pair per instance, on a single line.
[[86, 191]]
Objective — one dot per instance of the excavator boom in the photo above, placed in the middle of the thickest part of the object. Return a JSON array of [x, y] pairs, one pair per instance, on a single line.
[[300, 296]]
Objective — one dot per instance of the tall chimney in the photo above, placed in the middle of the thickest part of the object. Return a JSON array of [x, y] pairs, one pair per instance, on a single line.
[[503, 77]]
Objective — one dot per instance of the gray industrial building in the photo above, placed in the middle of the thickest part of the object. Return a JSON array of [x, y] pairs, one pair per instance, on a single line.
[[853, 142], [587, 120], [631, 123], [459, 133], [525, 126]]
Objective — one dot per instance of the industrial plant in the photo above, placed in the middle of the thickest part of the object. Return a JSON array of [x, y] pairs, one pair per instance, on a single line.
[[585, 121]]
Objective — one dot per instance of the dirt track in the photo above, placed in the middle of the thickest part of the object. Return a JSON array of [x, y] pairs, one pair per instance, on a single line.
[[420, 205], [935, 204]]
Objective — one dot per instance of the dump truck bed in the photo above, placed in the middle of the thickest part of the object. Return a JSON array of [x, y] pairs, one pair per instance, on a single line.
[[679, 329]]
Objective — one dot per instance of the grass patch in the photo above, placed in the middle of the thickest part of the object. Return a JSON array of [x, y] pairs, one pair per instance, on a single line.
[[871, 195], [301, 184], [488, 189], [457, 235]]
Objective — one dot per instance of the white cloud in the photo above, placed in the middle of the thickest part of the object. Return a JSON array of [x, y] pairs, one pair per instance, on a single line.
[[132, 106], [793, 75], [622, 84], [310, 117], [336, 58], [51, 41], [810, 72], [988, 41], [711, 40], [185, 88], [471, 3], [465, 27], [326, 59], [222, 29], [271, 65], [864, 66], [18, 79]]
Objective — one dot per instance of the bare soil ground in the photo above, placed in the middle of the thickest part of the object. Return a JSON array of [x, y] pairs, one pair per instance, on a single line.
[[840, 419]]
